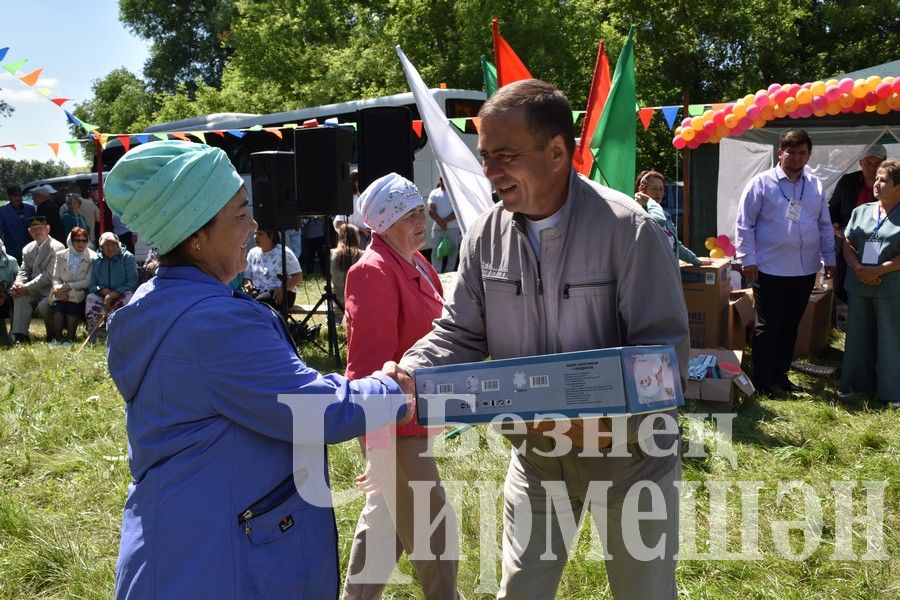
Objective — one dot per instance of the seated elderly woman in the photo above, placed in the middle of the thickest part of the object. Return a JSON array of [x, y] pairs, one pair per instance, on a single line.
[[114, 277], [229, 497], [71, 277], [263, 275]]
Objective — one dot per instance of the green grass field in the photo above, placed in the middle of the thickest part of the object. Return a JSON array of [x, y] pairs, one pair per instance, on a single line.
[[63, 476]]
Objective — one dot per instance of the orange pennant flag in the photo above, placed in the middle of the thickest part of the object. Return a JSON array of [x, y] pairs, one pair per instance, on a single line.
[[476, 123], [509, 67], [274, 131], [218, 132], [126, 141], [180, 135], [417, 126], [645, 115], [60, 101], [54, 146], [583, 159], [32, 77]]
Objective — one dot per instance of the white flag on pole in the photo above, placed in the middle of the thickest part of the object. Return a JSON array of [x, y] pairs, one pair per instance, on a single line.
[[464, 180]]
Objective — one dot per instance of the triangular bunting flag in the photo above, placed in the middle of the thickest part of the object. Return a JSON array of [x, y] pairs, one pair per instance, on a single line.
[[45, 92], [719, 106], [259, 127], [670, 113], [236, 133], [695, 110], [88, 127], [104, 139], [13, 146], [333, 121], [476, 123], [32, 77], [60, 101], [72, 118], [199, 135], [645, 114], [30, 146], [161, 136], [460, 123], [218, 132], [417, 127], [3, 52], [142, 138], [180, 135], [74, 147], [310, 123], [54, 147], [274, 131], [13, 67], [125, 140]]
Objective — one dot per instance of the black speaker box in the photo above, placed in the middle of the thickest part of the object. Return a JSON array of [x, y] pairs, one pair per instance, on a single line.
[[274, 195], [385, 143], [323, 156]]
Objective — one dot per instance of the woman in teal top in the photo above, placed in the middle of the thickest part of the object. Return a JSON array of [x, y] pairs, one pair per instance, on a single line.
[[872, 250], [649, 188]]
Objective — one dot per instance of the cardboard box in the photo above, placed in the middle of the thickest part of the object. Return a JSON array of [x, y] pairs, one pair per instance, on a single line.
[[608, 381], [812, 334], [723, 392], [706, 290], [741, 317]]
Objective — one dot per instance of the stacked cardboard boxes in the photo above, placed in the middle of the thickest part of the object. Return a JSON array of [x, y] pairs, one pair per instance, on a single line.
[[706, 290]]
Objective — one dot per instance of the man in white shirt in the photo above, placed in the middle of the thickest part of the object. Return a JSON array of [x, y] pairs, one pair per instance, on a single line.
[[445, 225]]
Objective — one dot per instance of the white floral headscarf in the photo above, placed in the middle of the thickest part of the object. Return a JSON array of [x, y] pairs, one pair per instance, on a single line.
[[387, 199]]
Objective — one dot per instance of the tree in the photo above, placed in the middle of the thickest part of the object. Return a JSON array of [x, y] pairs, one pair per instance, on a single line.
[[20, 172], [6, 109], [190, 40]]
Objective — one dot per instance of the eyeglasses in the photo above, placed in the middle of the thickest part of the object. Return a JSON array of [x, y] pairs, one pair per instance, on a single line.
[[79, 241]]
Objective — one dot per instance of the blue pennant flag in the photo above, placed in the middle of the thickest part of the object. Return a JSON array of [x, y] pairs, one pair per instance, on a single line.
[[670, 113]]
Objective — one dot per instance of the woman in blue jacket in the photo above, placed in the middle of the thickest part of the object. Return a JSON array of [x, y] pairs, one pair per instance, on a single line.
[[114, 277], [230, 496]]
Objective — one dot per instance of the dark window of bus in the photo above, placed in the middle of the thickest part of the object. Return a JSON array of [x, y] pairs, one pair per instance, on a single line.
[[458, 108]]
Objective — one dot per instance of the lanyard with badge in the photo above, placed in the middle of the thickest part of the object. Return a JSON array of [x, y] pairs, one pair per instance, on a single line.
[[872, 249], [793, 212]]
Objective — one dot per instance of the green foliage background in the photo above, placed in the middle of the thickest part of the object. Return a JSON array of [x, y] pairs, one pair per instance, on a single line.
[[263, 56]]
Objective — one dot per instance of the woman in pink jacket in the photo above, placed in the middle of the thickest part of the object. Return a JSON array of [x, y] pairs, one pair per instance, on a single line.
[[392, 295]]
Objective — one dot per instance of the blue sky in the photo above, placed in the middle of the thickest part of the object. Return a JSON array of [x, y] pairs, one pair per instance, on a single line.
[[76, 42]]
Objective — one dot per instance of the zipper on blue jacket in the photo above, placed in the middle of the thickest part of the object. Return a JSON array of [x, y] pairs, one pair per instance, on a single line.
[[514, 282], [586, 284], [275, 498]]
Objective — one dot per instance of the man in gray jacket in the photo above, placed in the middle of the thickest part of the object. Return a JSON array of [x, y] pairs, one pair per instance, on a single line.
[[35, 278], [562, 264]]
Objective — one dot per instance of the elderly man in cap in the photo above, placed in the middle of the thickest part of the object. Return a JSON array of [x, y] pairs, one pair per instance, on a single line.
[[14, 217], [35, 278], [46, 207], [852, 190]]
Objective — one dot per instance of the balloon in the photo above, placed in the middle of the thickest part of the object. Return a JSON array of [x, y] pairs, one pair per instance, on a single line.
[[697, 124], [759, 122], [745, 123], [761, 99], [688, 134], [739, 110], [722, 240], [895, 85], [871, 99], [820, 112], [793, 89], [749, 99], [883, 90], [693, 145], [858, 107], [714, 139], [710, 243], [847, 100], [818, 103], [882, 108], [846, 85], [753, 112], [774, 87], [707, 115], [872, 82], [833, 93], [860, 89], [730, 121], [709, 128], [832, 83], [678, 142], [729, 250], [768, 112], [722, 131], [716, 253], [719, 117], [894, 101], [780, 111], [790, 105], [805, 111], [686, 122], [870, 108], [804, 96], [678, 130], [833, 108], [780, 96], [817, 88]]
